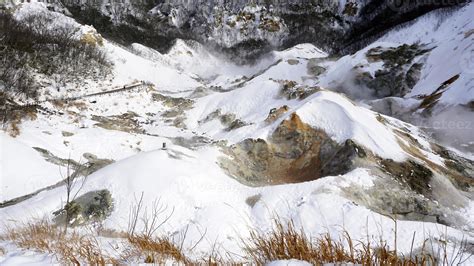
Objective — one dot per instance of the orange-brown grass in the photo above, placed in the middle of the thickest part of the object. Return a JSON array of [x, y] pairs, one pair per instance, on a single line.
[[13, 117], [286, 242], [144, 244], [155, 250], [68, 248]]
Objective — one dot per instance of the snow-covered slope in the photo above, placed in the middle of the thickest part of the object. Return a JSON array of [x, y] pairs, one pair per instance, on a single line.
[[200, 196], [226, 147], [17, 180], [421, 72], [451, 34]]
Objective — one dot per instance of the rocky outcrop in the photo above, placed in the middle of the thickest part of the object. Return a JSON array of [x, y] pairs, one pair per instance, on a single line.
[[177, 106], [276, 113], [78, 169], [314, 69], [416, 176], [126, 122], [292, 90], [230, 121], [414, 189], [295, 152], [247, 28], [462, 168], [93, 206], [400, 72]]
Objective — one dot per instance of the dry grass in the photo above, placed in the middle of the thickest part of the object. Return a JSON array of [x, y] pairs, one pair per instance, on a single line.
[[71, 248], [286, 242], [14, 128], [12, 118], [155, 250], [144, 243]]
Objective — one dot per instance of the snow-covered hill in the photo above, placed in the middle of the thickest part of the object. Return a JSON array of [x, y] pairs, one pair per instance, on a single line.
[[326, 142]]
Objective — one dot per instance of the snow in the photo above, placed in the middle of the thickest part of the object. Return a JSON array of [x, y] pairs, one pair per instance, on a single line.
[[340, 73], [288, 263], [303, 50], [199, 194], [447, 31], [22, 169], [130, 68], [189, 181], [328, 111], [331, 112], [16, 256]]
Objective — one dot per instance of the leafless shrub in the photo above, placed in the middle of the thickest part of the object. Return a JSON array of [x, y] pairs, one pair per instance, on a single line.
[[144, 242], [32, 46]]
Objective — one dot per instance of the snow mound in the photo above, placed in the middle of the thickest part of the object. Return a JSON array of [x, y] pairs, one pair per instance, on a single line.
[[342, 119]]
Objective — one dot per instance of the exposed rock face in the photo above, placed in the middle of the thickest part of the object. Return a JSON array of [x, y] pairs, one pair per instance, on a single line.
[[314, 69], [276, 113], [462, 168], [230, 121], [248, 28], [126, 122], [295, 152], [93, 206], [292, 90], [391, 197], [415, 189], [175, 115], [415, 175], [400, 73], [429, 101], [234, 26]]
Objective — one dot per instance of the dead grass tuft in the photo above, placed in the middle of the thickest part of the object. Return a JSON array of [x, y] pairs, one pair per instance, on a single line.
[[13, 116], [155, 250], [144, 243], [71, 248], [286, 242]]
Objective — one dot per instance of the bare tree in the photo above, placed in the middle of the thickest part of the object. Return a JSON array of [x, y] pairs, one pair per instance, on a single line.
[[72, 182]]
